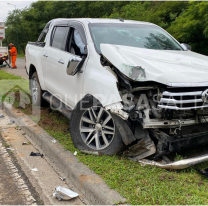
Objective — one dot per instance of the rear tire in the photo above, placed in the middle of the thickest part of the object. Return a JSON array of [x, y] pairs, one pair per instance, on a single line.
[[36, 91], [95, 134]]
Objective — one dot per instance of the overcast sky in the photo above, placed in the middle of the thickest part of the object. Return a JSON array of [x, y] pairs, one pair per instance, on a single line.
[[5, 8]]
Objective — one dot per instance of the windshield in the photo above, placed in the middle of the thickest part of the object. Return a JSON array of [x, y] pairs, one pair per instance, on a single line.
[[134, 35]]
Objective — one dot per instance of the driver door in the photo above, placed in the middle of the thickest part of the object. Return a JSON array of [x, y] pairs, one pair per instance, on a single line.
[[70, 86]]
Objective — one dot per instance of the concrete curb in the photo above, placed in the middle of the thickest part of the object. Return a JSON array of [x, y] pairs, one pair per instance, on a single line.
[[90, 186]]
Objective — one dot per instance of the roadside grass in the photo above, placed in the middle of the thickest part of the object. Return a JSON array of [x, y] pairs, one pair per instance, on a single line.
[[138, 184], [4, 75], [21, 55]]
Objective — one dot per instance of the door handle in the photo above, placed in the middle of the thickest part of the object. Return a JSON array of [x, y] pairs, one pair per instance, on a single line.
[[45, 55], [61, 61]]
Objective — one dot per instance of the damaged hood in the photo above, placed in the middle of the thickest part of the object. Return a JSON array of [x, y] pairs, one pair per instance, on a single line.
[[163, 66]]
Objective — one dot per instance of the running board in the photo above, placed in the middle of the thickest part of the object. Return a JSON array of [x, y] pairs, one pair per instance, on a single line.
[[57, 104]]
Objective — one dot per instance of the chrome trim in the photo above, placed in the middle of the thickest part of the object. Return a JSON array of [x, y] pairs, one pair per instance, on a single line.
[[178, 165], [169, 98], [181, 108], [196, 84], [173, 101], [182, 93]]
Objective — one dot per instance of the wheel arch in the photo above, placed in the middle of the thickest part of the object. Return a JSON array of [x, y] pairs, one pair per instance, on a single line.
[[86, 99], [32, 69], [121, 124]]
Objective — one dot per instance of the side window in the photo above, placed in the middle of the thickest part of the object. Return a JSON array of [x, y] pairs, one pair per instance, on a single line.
[[58, 36], [74, 43]]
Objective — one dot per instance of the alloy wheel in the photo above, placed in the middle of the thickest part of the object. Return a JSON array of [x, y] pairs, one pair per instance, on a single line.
[[97, 128]]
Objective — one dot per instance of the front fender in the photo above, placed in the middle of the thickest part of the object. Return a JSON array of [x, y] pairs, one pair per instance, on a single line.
[[99, 82]]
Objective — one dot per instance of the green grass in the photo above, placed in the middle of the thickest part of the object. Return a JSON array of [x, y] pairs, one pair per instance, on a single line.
[[140, 185], [9, 84], [21, 55], [5, 76]]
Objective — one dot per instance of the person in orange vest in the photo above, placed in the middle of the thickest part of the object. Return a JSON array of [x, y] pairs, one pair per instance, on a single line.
[[13, 54]]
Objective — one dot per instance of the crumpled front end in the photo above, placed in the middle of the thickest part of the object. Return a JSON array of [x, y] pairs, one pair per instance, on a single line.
[[159, 119]]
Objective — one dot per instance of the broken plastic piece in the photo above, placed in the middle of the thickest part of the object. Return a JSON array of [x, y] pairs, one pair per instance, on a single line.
[[26, 143], [58, 196], [62, 178], [75, 153], [54, 141], [203, 172], [34, 169], [60, 191], [36, 154], [10, 149]]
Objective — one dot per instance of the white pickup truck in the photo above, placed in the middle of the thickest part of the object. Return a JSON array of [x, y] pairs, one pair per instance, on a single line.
[[124, 85]]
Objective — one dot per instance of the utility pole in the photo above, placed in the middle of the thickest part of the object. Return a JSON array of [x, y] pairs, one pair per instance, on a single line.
[[16, 24]]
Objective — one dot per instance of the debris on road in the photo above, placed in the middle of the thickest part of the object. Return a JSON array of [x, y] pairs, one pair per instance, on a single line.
[[26, 143], [12, 121], [34, 169], [203, 172], [10, 149], [75, 153], [61, 191], [36, 154], [62, 178], [54, 141]]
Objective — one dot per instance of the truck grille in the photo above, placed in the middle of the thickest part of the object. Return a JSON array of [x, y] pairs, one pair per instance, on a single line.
[[182, 99]]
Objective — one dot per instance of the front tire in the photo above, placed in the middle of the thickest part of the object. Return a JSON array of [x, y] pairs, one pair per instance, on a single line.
[[93, 128]]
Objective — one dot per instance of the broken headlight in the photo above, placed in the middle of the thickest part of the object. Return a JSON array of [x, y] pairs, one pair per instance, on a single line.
[[137, 73]]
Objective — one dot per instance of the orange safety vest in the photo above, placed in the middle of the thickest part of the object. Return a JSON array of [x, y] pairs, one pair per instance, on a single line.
[[13, 51]]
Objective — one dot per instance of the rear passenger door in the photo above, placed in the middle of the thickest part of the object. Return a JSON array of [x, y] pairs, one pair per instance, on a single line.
[[50, 61]]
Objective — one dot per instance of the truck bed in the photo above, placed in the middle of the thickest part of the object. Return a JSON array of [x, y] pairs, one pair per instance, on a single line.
[[40, 44]]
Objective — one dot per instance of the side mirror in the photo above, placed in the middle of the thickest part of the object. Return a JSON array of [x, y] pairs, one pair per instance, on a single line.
[[186, 46], [74, 65]]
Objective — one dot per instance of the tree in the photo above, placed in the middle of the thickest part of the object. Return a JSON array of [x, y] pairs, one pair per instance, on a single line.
[[191, 27]]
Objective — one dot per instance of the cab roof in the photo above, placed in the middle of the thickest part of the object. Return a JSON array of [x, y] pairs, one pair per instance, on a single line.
[[105, 20]]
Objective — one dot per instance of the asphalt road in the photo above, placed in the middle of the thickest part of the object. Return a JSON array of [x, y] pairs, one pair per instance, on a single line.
[[9, 194], [13, 180], [20, 71]]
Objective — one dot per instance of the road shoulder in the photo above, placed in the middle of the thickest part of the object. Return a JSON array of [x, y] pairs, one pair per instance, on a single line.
[[89, 185]]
